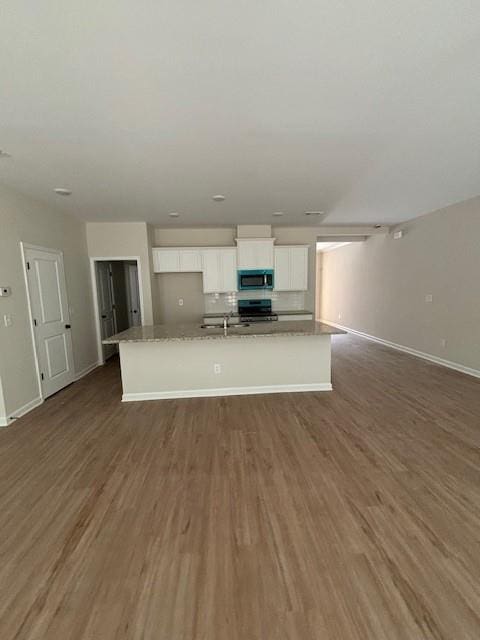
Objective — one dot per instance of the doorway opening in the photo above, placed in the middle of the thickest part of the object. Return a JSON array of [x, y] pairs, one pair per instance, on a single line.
[[118, 299], [324, 245]]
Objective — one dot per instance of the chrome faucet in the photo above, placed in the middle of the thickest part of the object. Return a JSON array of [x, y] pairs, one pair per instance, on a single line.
[[226, 317]]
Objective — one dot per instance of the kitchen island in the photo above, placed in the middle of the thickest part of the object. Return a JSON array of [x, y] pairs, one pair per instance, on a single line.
[[190, 360]]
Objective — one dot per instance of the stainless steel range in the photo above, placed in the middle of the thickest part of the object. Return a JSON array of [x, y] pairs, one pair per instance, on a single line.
[[256, 311]]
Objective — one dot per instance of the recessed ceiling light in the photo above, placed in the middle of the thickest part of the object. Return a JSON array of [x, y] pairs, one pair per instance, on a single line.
[[4, 154], [314, 213], [61, 191], [277, 213], [218, 198], [173, 214]]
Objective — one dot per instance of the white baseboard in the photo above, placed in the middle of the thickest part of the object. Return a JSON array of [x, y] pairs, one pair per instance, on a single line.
[[86, 371], [413, 352], [226, 391], [21, 411]]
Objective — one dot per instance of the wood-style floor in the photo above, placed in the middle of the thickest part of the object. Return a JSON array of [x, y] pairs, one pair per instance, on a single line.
[[351, 515]]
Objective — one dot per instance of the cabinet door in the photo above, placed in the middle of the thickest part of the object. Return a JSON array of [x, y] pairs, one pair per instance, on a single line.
[[190, 260], [246, 255], [263, 254], [282, 269], [166, 260], [299, 268], [228, 262], [255, 254], [211, 271]]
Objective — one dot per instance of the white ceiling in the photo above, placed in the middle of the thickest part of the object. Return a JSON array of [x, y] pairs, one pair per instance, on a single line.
[[369, 110]]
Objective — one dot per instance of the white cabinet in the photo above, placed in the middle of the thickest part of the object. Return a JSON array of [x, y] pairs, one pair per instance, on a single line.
[[291, 268], [253, 253], [175, 259], [190, 260], [219, 270]]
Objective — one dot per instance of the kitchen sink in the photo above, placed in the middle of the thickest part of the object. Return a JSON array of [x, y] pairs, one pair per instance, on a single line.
[[220, 326]]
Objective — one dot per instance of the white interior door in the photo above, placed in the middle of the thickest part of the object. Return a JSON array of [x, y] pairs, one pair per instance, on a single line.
[[106, 306], [133, 295], [51, 322]]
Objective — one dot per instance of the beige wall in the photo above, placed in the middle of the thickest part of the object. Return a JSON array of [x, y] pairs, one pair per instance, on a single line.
[[379, 286], [194, 237], [22, 219], [125, 240], [318, 285], [169, 288]]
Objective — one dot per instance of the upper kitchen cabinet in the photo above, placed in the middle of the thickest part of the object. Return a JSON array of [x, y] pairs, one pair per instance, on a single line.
[[291, 268], [175, 259], [219, 270], [255, 253]]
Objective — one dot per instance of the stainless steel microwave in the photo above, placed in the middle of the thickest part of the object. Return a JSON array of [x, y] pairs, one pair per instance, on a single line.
[[250, 279]]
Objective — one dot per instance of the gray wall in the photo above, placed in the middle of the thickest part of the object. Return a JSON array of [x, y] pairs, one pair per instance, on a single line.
[[22, 219], [379, 286]]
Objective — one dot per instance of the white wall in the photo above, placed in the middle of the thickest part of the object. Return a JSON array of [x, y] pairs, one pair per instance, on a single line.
[[22, 219], [125, 239], [378, 286]]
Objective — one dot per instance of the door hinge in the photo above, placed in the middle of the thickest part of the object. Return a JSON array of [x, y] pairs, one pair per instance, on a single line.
[[28, 265], [34, 322], [42, 376]]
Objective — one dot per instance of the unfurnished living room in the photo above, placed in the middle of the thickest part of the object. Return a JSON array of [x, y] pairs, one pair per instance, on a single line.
[[240, 320]]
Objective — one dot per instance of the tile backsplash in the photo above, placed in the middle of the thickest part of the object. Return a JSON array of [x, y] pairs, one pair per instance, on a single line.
[[281, 300]]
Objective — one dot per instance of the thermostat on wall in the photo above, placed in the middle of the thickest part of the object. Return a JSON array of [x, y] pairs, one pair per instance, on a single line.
[[5, 291]]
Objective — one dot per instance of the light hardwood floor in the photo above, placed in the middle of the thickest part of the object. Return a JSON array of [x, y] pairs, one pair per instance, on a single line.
[[351, 515]]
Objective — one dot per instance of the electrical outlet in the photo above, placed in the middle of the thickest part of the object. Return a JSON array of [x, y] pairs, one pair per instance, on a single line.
[[339, 316], [180, 302], [217, 368], [7, 320], [428, 297], [443, 343]]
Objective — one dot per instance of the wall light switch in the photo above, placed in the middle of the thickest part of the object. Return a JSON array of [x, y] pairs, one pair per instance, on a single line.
[[429, 297], [7, 320], [180, 302]]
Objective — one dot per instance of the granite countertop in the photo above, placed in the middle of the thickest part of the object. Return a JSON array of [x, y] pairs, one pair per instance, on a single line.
[[291, 312], [175, 332]]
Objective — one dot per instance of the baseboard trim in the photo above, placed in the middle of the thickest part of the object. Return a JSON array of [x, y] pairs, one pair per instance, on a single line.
[[226, 391], [21, 411], [413, 352], [86, 371]]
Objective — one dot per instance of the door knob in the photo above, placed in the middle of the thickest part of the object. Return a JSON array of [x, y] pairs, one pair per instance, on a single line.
[[104, 317], [68, 326]]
